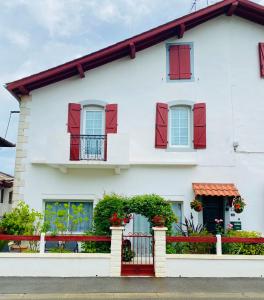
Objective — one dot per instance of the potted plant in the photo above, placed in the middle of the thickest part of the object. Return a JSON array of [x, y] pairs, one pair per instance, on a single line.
[[238, 204], [115, 220], [159, 221], [127, 253], [196, 205]]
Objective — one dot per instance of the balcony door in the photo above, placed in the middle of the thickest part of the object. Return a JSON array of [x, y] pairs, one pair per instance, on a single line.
[[94, 132]]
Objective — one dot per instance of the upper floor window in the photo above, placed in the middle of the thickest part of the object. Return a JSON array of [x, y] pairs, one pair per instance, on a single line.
[[180, 64], [93, 120], [89, 125], [179, 126]]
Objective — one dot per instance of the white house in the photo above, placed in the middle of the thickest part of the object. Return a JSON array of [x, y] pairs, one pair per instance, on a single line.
[[6, 183], [6, 193], [169, 111]]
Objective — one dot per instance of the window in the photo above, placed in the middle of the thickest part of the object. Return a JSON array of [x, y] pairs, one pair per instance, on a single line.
[[93, 120], [180, 65], [177, 209], [61, 211], [2, 195], [10, 197], [179, 126], [94, 129]]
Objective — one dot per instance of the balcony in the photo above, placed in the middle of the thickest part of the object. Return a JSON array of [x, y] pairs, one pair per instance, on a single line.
[[89, 147]]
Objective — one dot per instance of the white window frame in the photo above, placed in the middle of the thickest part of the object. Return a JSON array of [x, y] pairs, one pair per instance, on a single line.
[[189, 108]]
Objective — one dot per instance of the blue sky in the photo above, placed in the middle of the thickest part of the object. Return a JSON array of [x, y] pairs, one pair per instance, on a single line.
[[38, 34]]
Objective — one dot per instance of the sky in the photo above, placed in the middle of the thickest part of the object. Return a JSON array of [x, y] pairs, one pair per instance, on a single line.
[[39, 34]]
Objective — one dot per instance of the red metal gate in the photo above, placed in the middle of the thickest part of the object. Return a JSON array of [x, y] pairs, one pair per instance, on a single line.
[[137, 255]]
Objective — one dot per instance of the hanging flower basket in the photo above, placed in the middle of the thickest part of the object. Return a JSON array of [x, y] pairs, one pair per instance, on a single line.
[[196, 205], [238, 204], [159, 221]]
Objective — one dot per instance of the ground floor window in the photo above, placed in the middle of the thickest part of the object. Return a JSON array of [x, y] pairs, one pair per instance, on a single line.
[[69, 216], [177, 209]]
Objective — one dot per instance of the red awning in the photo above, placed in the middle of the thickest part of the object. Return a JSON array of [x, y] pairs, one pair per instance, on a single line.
[[215, 189]]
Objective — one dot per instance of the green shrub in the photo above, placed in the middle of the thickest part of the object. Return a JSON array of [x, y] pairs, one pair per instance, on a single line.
[[191, 248], [201, 248], [22, 220], [150, 206], [104, 210], [95, 247], [241, 248], [177, 248]]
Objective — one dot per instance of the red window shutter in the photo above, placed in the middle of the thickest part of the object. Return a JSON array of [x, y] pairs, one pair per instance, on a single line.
[[74, 122], [174, 63], [261, 59], [161, 134], [111, 118], [180, 62], [199, 122]]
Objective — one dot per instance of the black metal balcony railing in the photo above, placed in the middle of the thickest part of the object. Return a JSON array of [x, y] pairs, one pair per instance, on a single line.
[[92, 147]]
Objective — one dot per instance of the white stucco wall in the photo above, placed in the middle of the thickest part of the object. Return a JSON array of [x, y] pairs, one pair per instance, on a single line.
[[226, 77], [181, 265], [54, 265]]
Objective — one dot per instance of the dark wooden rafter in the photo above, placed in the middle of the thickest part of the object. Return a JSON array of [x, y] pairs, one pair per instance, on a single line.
[[232, 9], [132, 50], [80, 70], [181, 31], [23, 90]]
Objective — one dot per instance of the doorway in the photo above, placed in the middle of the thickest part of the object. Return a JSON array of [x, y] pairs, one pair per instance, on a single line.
[[213, 208]]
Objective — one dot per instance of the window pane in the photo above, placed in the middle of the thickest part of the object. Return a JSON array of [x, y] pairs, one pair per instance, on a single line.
[[94, 122], [56, 214], [177, 209], [81, 214], [179, 126]]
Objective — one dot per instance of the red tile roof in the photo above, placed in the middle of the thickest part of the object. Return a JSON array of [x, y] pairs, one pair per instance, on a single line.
[[215, 189], [242, 8]]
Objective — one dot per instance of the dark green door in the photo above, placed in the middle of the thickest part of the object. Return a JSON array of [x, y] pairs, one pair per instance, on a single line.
[[213, 208]]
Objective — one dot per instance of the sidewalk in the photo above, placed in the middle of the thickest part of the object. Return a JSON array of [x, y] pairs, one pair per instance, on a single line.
[[130, 288]]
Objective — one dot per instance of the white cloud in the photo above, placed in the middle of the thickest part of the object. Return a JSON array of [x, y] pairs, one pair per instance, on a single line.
[[58, 17], [18, 38]]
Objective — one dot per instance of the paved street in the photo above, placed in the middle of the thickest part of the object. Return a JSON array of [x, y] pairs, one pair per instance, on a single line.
[[130, 288]]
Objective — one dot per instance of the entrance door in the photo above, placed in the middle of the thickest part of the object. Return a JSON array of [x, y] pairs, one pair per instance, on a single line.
[[213, 208]]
